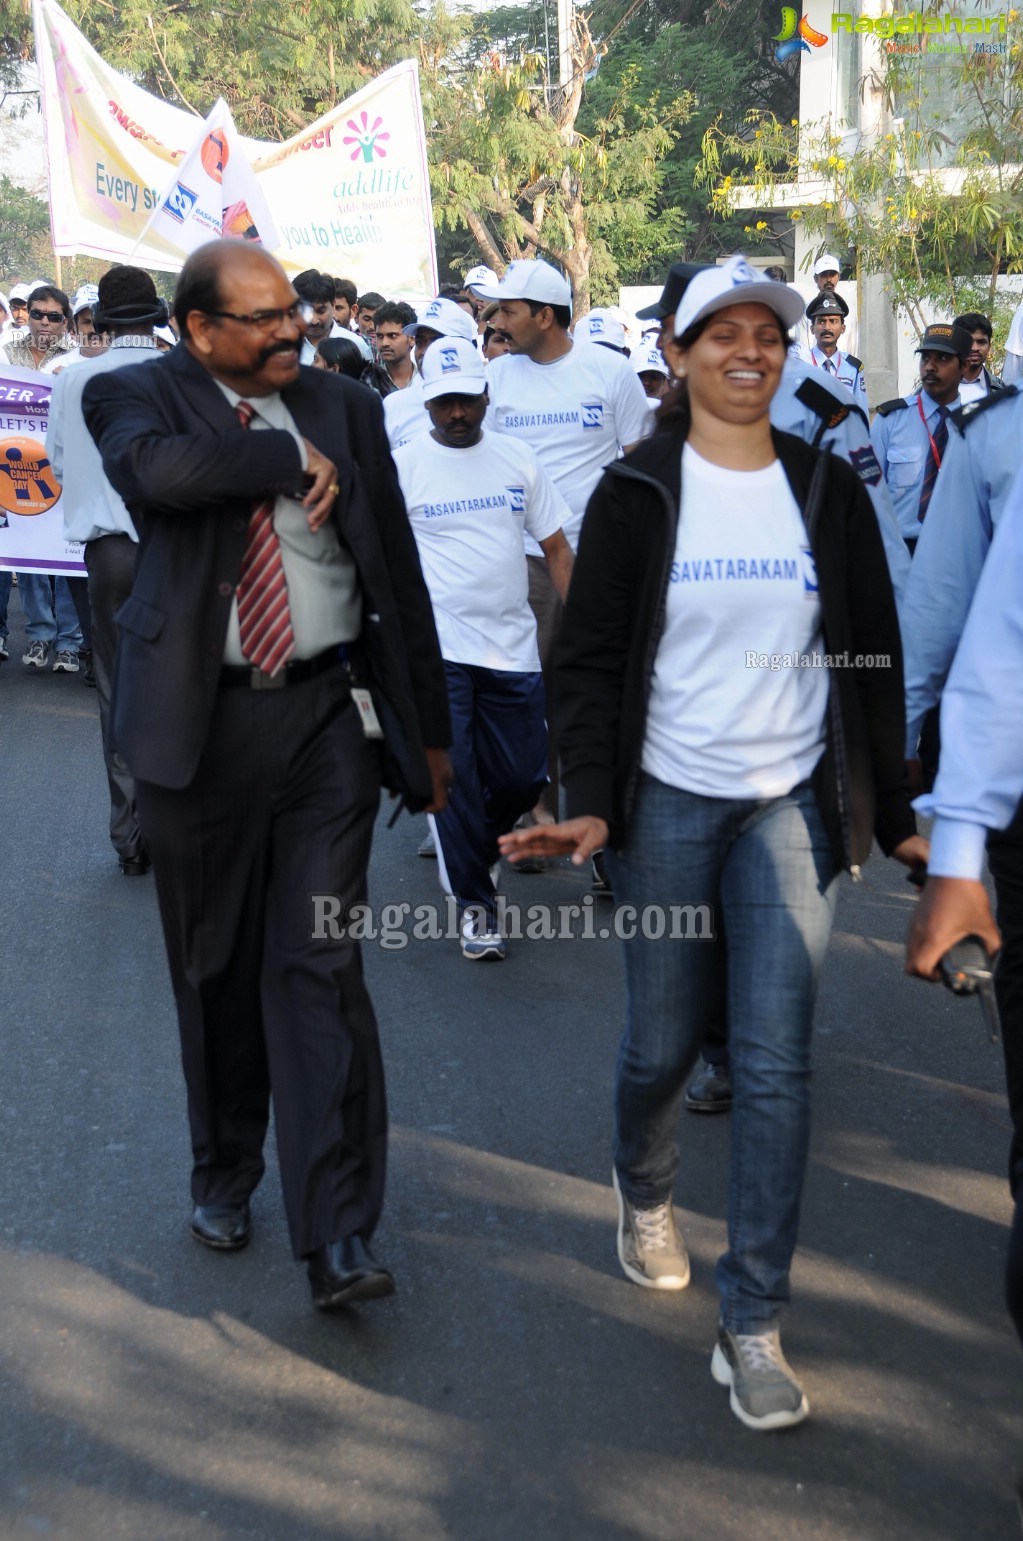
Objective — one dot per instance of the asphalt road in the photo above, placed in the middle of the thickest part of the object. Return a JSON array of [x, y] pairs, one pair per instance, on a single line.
[[517, 1388]]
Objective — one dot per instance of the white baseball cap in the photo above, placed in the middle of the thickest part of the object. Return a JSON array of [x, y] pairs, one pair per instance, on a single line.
[[826, 264], [600, 326], [480, 275], [165, 334], [452, 367], [445, 317], [647, 359], [735, 283], [85, 298], [529, 279], [22, 291]]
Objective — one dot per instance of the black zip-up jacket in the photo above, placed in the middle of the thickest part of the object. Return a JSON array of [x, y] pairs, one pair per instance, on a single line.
[[614, 619]]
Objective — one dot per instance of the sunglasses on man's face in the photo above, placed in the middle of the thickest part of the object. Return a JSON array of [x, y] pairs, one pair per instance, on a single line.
[[56, 316]]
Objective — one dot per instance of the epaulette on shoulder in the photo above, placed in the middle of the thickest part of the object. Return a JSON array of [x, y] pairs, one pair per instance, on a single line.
[[965, 415], [888, 407], [857, 363], [822, 403]]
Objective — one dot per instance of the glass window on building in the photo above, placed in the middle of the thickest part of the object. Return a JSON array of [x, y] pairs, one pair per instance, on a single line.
[[953, 83]]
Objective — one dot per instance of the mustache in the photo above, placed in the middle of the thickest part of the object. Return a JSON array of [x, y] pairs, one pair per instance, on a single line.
[[278, 347]]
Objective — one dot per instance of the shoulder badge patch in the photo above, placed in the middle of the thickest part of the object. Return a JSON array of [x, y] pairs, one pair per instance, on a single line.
[[822, 403]]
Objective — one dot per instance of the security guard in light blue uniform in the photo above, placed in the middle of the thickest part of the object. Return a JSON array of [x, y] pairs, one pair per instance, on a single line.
[[821, 410], [910, 433], [984, 453], [826, 314]]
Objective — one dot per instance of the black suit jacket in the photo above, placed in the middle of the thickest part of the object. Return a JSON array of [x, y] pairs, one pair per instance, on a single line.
[[173, 448]]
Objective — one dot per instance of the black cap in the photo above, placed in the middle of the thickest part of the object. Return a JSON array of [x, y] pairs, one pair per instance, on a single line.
[[943, 337], [826, 304], [680, 276]]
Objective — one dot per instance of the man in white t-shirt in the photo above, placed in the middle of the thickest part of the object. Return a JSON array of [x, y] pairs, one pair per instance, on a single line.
[[576, 406], [405, 415], [471, 497]]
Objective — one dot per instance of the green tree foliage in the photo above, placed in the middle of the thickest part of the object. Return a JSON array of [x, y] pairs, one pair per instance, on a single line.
[[24, 233], [935, 203], [510, 161]]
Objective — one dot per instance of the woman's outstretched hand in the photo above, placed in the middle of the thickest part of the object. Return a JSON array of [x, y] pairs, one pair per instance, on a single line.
[[578, 838]]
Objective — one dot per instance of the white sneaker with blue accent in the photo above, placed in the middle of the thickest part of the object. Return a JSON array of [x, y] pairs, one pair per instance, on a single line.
[[477, 942]]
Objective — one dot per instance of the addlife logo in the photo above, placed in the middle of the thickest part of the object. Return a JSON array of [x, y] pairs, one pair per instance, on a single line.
[[796, 36], [367, 138]]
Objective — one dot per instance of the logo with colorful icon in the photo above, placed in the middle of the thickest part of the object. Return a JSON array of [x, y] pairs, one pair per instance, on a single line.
[[796, 36], [367, 138], [27, 483]]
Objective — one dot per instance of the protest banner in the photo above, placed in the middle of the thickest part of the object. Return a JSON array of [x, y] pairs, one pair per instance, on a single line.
[[350, 195], [31, 517]]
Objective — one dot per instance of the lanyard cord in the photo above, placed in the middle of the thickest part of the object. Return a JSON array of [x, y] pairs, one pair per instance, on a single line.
[[934, 447]]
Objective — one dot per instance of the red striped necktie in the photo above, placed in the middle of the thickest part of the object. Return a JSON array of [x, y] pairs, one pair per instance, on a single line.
[[264, 618]]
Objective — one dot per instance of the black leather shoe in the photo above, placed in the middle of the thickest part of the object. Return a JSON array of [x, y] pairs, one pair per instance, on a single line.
[[346, 1270], [225, 1227], [134, 866], [710, 1090]]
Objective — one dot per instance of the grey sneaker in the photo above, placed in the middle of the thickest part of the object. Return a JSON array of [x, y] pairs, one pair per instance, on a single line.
[[428, 847], [765, 1393], [650, 1246], [35, 655], [67, 661]]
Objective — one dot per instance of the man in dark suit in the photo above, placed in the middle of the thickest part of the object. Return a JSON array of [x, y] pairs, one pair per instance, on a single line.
[[277, 576]]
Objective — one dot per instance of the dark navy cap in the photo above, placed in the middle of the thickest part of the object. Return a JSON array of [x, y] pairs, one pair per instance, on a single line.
[[826, 304]]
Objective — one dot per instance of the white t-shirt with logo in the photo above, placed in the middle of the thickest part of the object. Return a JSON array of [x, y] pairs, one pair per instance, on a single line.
[[405, 414], [469, 509], [575, 413], [737, 708]]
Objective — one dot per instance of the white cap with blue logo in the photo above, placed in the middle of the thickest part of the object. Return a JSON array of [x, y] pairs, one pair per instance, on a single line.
[[601, 325], [444, 317], [452, 366], [735, 282]]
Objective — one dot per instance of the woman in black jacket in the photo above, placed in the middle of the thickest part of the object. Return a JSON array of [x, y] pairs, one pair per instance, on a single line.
[[731, 677]]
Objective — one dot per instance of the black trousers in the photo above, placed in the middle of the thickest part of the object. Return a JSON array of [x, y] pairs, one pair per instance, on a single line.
[[110, 562], [281, 809], [1005, 858]]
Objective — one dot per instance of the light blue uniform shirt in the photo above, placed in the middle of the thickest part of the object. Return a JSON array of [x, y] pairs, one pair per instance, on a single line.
[[903, 449], [91, 506], [841, 368], [969, 499], [980, 779], [851, 439]]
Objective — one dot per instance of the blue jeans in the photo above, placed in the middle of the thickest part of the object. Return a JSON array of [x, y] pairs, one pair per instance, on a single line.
[[50, 613], [768, 870]]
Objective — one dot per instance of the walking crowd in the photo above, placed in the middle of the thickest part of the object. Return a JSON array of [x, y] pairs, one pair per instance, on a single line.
[[512, 566]]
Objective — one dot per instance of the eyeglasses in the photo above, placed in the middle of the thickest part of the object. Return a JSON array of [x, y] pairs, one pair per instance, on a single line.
[[56, 316], [262, 320]]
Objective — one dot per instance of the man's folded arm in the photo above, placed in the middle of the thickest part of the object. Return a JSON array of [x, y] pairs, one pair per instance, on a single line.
[[179, 473]]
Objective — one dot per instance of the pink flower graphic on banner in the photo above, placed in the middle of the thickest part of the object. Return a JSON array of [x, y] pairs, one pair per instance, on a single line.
[[366, 137]]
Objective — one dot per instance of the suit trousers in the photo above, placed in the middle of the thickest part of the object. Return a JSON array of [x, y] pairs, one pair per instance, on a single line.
[[110, 562], [281, 809]]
